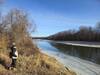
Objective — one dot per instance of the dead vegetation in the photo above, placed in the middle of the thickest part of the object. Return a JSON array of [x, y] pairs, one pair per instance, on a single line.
[[37, 64], [15, 27]]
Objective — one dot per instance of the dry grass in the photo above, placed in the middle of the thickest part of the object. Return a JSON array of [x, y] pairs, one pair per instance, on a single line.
[[37, 64], [41, 64], [5, 60], [3, 71], [3, 41], [27, 47]]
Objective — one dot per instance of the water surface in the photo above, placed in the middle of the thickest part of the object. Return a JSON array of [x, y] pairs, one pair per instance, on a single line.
[[83, 60], [88, 53]]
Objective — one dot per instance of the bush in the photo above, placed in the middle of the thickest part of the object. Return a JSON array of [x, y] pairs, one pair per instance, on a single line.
[[16, 28]]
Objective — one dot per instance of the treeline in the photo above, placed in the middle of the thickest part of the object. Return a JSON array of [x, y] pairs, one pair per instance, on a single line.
[[82, 34]]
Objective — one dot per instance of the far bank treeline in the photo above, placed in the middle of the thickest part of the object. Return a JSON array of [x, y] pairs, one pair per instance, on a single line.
[[82, 34]]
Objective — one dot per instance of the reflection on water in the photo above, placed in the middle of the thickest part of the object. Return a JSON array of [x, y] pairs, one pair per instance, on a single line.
[[91, 54], [46, 45]]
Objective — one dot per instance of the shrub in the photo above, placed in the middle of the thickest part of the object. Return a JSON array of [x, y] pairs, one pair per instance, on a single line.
[[16, 27]]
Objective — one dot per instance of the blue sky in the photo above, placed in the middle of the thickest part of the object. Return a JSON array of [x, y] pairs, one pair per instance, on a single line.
[[53, 16]]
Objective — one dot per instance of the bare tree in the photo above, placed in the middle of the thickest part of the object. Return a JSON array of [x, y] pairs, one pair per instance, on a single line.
[[98, 26], [17, 28], [16, 22]]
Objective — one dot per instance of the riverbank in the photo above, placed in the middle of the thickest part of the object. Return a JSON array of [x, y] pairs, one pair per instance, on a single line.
[[80, 43], [36, 64], [80, 66]]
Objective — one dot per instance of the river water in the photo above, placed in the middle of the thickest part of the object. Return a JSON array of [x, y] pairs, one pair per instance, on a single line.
[[82, 60]]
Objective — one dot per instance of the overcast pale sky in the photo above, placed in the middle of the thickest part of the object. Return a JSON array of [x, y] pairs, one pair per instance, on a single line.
[[52, 16]]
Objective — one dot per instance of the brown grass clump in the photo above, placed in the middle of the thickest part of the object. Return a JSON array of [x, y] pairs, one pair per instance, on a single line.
[[5, 60], [27, 47]]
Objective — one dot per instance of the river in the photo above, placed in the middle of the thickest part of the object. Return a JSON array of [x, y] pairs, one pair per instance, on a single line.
[[82, 60]]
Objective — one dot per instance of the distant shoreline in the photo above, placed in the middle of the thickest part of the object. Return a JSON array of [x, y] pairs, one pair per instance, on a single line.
[[80, 43], [39, 37], [73, 43]]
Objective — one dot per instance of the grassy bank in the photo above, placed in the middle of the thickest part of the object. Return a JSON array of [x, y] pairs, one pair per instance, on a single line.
[[36, 64]]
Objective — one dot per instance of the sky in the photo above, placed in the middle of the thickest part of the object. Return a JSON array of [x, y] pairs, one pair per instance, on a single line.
[[52, 16]]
